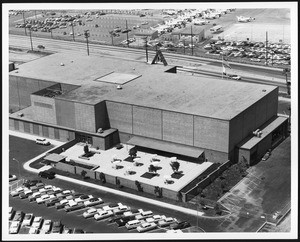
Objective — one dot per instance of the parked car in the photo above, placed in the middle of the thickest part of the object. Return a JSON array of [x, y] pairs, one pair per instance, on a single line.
[[78, 231], [51, 202], [235, 77], [11, 213], [19, 215], [103, 214], [66, 230], [180, 225], [37, 222], [266, 156], [42, 141], [121, 209], [166, 222], [33, 230], [28, 219], [122, 221], [144, 215], [132, 224], [146, 227], [25, 194], [41, 47], [47, 174], [47, 225], [155, 218], [44, 198], [72, 206], [17, 191], [34, 196], [14, 227], [57, 227], [83, 198], [133, 212], [93, 201], [111, 206], [90, 212], [114, 218], [12, 177], [61, 204]]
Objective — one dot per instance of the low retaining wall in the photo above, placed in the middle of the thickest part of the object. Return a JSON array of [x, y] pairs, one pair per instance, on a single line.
[[147, 188]]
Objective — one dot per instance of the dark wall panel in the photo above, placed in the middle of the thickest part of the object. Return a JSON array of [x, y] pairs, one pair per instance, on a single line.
[[85, 117], [65, 113]]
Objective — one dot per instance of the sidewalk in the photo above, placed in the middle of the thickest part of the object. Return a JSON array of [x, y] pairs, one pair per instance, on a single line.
[[105, 189]]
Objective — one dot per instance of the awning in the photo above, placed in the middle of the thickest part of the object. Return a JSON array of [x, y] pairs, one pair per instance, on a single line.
[[160, 145], [54, 157]]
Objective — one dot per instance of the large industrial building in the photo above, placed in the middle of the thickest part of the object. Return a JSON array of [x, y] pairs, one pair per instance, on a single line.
[[106, 100]]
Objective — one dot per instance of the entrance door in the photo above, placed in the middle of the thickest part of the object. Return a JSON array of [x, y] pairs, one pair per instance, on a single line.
[[84, 138]]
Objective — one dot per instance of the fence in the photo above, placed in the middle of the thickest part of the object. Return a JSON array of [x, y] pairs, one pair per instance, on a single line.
[[16, 184]]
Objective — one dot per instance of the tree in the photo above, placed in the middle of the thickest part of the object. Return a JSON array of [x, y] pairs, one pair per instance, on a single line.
[[175, 166], [83, 173], [132, 152], [152, 168], [218, 209], [86, 149]]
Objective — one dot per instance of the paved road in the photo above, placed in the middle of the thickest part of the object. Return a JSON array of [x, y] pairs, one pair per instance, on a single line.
[[267, 74]]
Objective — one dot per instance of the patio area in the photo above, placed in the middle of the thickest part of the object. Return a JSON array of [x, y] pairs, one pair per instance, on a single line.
[[118, 163]]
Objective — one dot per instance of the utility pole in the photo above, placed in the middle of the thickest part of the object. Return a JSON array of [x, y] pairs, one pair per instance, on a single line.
[[87, 35], [30, 38], [24, 23], [146, 44], [184, 46], [51, 33], [73, 31], [192, 39], [127, 34], [266, 47]]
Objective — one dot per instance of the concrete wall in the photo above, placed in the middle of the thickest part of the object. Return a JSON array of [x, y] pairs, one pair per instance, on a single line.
[[20, 89], [99, 142], [211, 133], [120, 116], [43, 109], [147, 122], [244, 154], [253, 117], [85, 117], [65, 113], [178, 128]]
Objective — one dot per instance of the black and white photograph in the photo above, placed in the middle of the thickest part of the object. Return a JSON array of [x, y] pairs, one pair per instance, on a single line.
[[149, 121]]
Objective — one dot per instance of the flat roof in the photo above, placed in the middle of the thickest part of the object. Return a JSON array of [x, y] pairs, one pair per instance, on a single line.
[[166, 146], [202, 96], [266, 130], [54, 157]]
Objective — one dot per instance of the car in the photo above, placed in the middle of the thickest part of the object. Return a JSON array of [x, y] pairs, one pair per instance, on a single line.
[[34, 188], [42, 141], [66, 230], [30, 183], [57, 227], [37, 222], [125, 31], [41, 47], [51, 202], [14, 227], [19, 215], [155, 218], [28, 219], [111, 206], [17, 191], [266, 156], [167, 221], [61, 204], [93, 201], [114, 218], [133, 212], [144, 23], [72, 205], [48, 187], [44, 198], [47, 174], [34, 196], [132, 224], [25, 194], [47, 225], [76, 195], [12, 177], [40, 185], [33, 230], [144, 215], [235, 77], [78, 231], [122, 221], [180, 225], [11, 213], [146, 227], [83, 198], [121, 209], [67, 192], [103, 214], [90, 212]]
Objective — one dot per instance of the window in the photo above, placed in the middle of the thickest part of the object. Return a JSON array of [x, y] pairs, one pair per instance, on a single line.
[[56, 133], [26, 127], [16, 124], [45, 131]]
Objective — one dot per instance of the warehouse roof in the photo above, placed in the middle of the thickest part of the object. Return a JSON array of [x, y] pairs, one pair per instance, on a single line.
[[153, 87]]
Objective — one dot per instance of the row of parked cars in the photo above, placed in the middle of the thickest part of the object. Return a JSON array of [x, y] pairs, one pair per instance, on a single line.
[[255, 51], [37, 224], [118, 213]]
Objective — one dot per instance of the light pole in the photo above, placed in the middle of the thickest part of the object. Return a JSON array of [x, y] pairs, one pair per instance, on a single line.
[[18, 166], [87, 35], [30, 38], [73, 31], [24, 23]]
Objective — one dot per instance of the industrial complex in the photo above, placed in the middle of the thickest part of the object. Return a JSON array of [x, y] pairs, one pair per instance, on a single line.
[[105, 101]]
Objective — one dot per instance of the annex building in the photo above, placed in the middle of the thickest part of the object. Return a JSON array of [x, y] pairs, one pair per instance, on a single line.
[[67, 96]]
